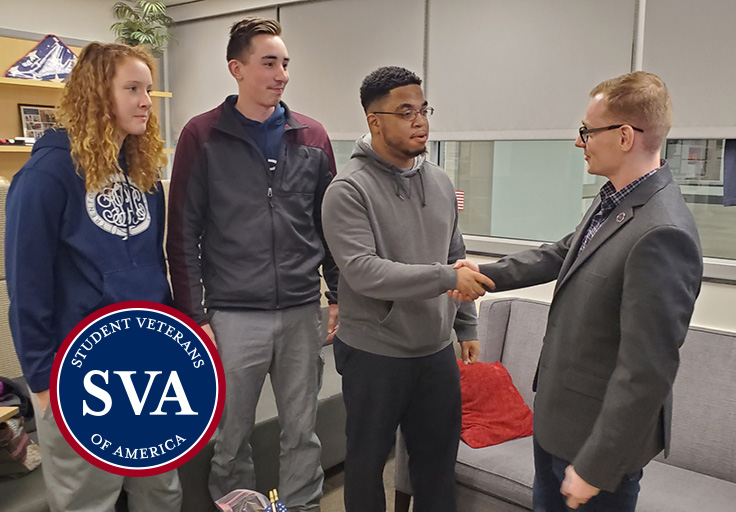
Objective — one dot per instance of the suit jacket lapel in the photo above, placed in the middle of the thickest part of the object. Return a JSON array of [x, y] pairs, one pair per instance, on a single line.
[[577, 240], [617, 219]]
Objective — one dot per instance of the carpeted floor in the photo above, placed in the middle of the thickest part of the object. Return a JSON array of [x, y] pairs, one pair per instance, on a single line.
[[332, 499]]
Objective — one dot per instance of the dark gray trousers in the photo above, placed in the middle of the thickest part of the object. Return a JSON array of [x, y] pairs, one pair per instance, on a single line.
[[422, 395]]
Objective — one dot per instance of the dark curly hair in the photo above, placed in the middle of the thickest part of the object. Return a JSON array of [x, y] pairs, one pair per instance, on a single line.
[[242, 32], [382, 81]]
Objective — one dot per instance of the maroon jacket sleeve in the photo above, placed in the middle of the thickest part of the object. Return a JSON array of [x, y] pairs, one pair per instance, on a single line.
[[187, 207], [316, 136]]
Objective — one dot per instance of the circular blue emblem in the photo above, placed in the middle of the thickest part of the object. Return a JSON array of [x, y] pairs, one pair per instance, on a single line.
[[137, 388]]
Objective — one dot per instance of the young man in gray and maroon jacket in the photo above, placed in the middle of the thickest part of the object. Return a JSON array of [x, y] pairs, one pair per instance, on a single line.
[[245, 235]]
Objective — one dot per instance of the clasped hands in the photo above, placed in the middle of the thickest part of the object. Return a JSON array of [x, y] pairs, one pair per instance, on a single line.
[[471, 284]]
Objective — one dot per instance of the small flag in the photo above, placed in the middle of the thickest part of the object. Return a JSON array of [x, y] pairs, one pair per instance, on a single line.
[[460, 200], [276, 504]]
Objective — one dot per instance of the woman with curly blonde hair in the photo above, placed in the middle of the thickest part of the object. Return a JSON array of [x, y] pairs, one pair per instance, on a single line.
[[85, 224]]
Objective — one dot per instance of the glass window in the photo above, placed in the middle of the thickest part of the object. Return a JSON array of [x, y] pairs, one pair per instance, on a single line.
[[529, 190], [697, 166], [342, 149], [539, 189]]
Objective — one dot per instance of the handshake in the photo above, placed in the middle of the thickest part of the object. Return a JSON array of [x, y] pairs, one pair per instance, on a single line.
[[471, 284]]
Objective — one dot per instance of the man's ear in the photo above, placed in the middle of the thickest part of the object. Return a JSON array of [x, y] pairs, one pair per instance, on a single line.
[[373, 122], [236, 69], [626, 140]]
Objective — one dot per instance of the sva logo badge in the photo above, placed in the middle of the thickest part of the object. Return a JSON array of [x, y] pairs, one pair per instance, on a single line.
[[137, 388]]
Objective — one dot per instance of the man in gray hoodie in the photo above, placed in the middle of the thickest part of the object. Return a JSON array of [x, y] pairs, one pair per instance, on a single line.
[[390, 220]]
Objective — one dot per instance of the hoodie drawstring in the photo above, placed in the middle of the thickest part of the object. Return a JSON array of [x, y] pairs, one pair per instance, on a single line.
[[397, 180], [125, 208], [421, 182]]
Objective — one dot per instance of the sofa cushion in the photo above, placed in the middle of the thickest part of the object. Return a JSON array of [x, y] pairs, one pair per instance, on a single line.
[[505, 470], [704, 409], [666, 488], [524, 334], [493, 410]]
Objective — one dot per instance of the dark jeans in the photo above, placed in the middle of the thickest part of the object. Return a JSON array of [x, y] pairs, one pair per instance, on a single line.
[[422, 395], [548, 477]]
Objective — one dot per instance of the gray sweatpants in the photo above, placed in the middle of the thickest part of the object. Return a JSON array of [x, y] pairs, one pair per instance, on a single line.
[[287, 344], [75, 485]]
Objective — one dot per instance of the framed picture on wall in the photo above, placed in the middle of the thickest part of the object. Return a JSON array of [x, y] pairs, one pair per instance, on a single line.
[[36, 119]]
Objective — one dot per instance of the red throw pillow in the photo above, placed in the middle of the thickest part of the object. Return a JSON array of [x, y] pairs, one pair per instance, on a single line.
[[493, 409]]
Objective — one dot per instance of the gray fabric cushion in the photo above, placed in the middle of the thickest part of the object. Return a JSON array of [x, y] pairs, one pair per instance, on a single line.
[[3, 195], [469, 500], [524, 334], [704, 409], [26, 494], [493, 316], [505, 470], [9, 364], [666, 488]]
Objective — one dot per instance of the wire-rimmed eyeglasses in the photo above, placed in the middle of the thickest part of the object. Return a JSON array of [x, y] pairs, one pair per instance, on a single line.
[[411, 114], [585, 132]]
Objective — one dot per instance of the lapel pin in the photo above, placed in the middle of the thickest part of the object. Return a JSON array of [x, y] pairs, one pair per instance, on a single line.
[[620, 217]]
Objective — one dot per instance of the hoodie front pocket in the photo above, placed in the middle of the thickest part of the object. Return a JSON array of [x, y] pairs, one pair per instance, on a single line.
[[384, 321], [147, 282]]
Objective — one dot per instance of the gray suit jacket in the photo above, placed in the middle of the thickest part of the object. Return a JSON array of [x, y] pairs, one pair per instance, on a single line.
[[619, 314]]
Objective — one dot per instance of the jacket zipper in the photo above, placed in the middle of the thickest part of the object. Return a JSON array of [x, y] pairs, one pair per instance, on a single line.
[[273, 227]]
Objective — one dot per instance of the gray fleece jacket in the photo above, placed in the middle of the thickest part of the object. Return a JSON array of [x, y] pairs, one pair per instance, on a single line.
[[394, 237]]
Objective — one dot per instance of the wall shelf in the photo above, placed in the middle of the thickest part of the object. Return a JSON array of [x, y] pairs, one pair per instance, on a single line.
[[15, 149], [60, 85]]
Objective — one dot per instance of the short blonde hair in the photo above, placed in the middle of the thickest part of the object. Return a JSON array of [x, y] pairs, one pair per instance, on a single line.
[[642, 100]]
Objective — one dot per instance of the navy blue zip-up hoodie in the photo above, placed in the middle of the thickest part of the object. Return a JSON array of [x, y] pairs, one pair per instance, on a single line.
[[69, 252]]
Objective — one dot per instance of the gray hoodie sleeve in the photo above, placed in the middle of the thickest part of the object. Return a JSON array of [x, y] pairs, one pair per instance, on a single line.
[[351, 239]]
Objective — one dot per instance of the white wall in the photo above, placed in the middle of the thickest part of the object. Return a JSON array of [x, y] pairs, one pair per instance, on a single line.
[[198, 74], [334, 45], [501, 69], [690, 44], [87, 20]]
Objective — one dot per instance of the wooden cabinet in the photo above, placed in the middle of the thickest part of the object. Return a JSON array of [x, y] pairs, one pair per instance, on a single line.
[[14, 92]]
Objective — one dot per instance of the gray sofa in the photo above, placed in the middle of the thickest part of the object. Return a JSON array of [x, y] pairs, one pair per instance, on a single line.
[[27, 494], [699, 474]]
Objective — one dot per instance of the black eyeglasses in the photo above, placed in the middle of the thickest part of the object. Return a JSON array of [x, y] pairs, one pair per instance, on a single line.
[[585, 132], [411, 114]]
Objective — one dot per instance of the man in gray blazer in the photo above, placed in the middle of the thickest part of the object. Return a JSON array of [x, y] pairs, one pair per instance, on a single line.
[[627, 280]]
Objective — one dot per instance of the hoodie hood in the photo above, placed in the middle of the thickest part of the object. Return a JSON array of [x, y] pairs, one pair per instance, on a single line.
[[364, 149], [55, 138]]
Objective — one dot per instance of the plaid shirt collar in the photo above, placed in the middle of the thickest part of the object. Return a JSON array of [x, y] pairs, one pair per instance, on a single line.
[[611, 198]]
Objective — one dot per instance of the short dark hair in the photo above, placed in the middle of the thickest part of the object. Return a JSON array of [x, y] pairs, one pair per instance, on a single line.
[[242, 32], [382, 81]]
